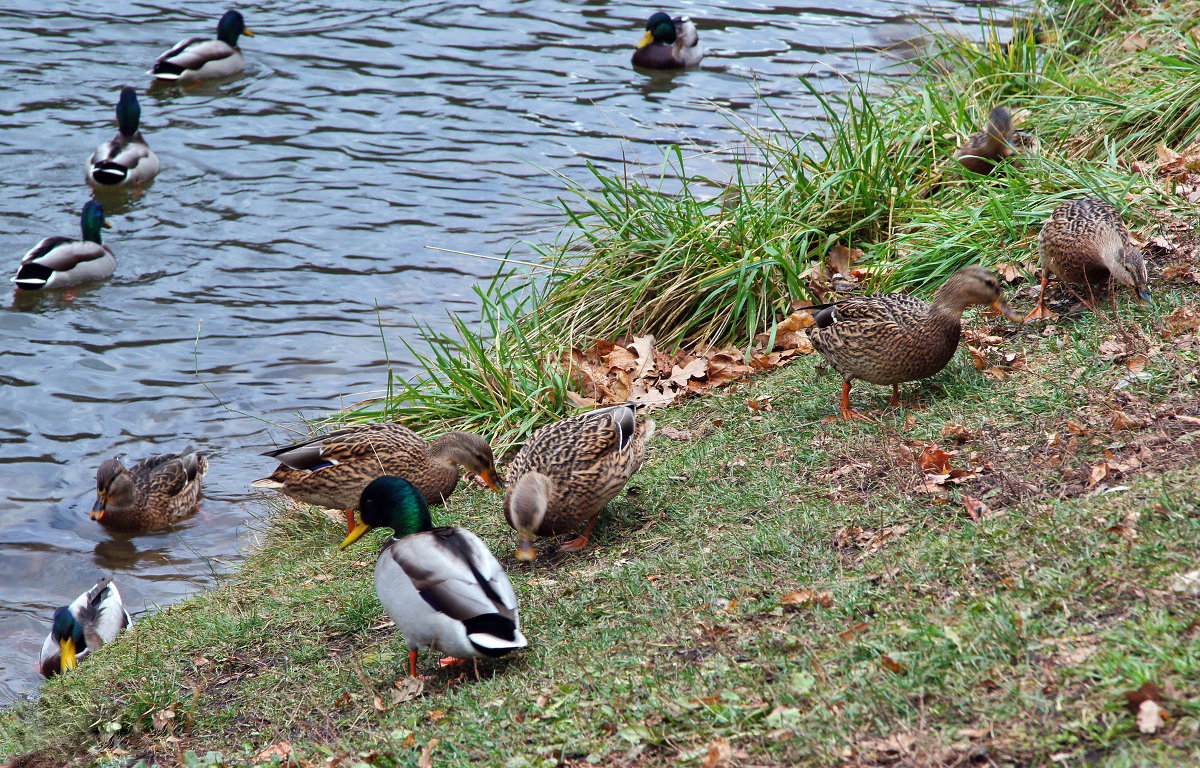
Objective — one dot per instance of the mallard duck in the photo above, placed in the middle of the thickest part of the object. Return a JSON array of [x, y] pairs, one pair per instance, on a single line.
[[127, 159], [668, 44], [96, 617], [332, 470], [198, 58], [981, 151], [60, 262], [1085, 242], [154, 493], [569, 470], [442, 586], [893, 337]]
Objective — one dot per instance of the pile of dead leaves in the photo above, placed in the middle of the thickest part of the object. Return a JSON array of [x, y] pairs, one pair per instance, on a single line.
[[1181, 170], [636, 370]]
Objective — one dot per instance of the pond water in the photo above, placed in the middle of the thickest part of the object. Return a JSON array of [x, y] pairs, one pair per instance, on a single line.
[[290, 219]]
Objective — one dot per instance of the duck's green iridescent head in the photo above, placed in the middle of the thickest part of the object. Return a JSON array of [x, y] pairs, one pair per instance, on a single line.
[[390, 502], [231, 27], [68, 633], [92, 220], [659, 29], [129, 112]]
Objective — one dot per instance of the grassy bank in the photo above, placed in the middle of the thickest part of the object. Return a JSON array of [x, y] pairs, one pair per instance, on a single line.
[[775, 589]]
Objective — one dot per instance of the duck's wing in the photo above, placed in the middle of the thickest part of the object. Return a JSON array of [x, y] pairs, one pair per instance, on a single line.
[[894, 310], [62, 253], [455, 573], [124, 152], [347, 443], [190, 54], [170, 473], [102, 614]]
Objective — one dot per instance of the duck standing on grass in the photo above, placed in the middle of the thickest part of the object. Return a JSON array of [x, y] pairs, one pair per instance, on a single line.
[[893, 337], [198, 58], [127, 159], [441, 586], [60, 262], [569, 470], [1085, 242], [668, 44], [154, 493], [332, 470], [96, 617]]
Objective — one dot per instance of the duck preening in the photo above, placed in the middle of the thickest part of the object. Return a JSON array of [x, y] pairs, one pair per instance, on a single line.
[[80, 629]]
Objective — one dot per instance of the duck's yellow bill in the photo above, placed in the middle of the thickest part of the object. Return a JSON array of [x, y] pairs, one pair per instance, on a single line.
[[354, 535], [67, 654], [646, 39], [247, 32]]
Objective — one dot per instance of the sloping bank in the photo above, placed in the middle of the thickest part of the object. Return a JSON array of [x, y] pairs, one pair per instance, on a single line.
[[775, 589]]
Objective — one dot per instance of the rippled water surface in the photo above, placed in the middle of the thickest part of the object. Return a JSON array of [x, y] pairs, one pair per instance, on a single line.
[[292, 202]]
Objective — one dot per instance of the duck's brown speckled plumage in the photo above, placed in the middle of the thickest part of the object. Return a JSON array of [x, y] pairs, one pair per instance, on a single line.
[[893, 338], [332, 470], [570, 469], [1085, 242], [981, 151], [154, 493]]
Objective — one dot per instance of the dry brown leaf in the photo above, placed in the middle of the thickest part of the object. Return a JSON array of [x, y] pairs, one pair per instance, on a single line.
[[1008, 272], [935, 461], [957, 431], [978, 357], [891, 665], [1145, 704], [162, 719], [581, 401], [756, 404], [695, 369], [1122, 420], [719, 755], [671, 433], [803, 597], [1133, 42], [426, 758], [407, 689], [841, 259], [280, 749], [976, 509], [436, 714], [1185, 318], [853, 631], [1098, 473], [644, 347]]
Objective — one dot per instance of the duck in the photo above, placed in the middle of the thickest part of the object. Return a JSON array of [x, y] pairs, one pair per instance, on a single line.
[[1085, 242], [198, 58], [154, 493], [668, 44], [331, 470], [569, 470], [892, 338], [982, 151], [80, 629], [441, 586], [127, 159], [60, 262]]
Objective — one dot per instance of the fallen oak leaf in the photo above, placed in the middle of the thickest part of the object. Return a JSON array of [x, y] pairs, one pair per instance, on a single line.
[[426, 758], [802, 597], [850, 633], [976, 509], [280, 749], [719, 754], [1145, 706], [891, 665]]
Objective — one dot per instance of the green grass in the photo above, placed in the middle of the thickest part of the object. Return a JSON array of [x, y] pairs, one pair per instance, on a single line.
[[1021, 631], [943, 641]]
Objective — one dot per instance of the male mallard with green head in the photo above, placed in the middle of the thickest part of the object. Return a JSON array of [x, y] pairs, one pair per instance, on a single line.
[[1086, 243], [154, 493], [198, 58], [668, 44], [441, 586], [892, 338], [60, 262], [127, 159], [94, 618], [569, 470]]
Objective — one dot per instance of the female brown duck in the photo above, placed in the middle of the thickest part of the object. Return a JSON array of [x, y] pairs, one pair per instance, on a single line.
[[332, 470], [569, 470], [893, 337], [152, 494], [1085, 242]]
